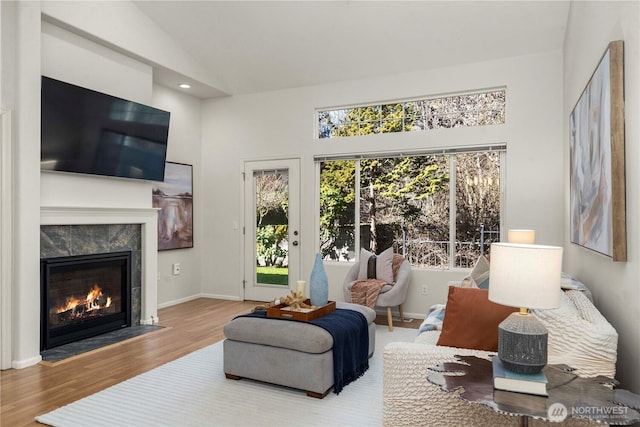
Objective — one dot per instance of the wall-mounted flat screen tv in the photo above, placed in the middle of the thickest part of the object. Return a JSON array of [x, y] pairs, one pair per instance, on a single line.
[[85, 131]]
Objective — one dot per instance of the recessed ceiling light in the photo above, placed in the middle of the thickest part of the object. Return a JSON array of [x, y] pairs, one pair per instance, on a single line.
[[185, 85]]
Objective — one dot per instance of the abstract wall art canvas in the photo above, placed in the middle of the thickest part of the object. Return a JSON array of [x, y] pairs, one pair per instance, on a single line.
[[597, 165], [174, 198]]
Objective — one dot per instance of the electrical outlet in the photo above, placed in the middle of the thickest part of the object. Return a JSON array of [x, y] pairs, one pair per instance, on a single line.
[[425, 289], [176, 268]]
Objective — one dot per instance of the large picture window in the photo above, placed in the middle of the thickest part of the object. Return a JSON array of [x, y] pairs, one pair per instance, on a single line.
[[438, 210]]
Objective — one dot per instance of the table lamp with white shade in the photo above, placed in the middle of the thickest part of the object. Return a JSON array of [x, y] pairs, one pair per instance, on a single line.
[[525, 276]]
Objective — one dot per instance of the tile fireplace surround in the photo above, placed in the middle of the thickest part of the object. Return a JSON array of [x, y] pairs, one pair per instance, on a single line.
[[27, 341], [90, 239], [81, 231]]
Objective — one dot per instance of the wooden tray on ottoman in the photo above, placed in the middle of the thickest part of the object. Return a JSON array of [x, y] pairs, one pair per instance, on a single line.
[[282, 311]]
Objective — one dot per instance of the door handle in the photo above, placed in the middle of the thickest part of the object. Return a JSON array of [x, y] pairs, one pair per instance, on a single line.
[[294, 243]]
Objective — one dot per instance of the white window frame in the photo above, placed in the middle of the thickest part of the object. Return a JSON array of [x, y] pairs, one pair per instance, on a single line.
[[409, 100], [501, 148]]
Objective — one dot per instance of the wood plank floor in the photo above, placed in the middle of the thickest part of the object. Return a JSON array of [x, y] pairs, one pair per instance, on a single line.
[[26, 393]]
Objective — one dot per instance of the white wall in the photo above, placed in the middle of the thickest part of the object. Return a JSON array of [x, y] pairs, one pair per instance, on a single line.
[[281, 123], [26, 201], [7, 85], [615, 285], [184, 147], [122, 25], [74, 59]]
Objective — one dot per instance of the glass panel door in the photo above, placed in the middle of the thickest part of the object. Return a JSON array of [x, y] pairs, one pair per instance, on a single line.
[[271, 236]]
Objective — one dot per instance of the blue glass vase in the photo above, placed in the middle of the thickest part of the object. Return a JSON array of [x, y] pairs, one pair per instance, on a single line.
[[318, 284]]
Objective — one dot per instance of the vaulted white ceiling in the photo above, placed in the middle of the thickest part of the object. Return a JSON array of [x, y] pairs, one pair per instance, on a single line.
[[255, 46]]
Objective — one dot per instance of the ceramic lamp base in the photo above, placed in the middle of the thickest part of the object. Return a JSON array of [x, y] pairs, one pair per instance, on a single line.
[[522, 343]]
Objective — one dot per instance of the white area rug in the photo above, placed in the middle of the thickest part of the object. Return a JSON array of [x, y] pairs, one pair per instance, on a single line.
[[193, 391]]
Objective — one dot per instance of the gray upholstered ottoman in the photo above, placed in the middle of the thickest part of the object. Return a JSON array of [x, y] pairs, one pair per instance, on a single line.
[[292, 354]]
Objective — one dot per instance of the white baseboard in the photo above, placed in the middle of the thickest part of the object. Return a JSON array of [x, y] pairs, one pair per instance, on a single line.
[[153, 320], [395, 314], [225, 297], [20, 364], [178, 301], [192, 297]]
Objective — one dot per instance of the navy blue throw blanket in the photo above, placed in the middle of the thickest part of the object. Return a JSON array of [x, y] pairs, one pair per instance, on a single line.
[[350, 333]]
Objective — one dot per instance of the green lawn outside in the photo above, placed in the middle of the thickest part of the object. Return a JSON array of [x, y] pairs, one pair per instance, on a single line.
[[273, 275]]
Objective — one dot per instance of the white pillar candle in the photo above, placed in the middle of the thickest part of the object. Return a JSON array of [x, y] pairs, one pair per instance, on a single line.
[[301, 286]]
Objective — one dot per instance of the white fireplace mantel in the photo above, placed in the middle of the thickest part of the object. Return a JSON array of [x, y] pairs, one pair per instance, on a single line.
[[146, 217]]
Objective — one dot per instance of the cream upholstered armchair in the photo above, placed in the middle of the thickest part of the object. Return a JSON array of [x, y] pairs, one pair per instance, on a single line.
[[391, 295]]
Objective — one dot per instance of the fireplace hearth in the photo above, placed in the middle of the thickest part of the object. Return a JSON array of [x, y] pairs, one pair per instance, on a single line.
[[84, 296]]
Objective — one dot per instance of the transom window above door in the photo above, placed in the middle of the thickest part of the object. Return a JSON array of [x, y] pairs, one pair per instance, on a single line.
[[460, 110]]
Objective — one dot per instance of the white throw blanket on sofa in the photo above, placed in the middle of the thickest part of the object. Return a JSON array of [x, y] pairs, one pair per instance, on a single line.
[[579, 336]]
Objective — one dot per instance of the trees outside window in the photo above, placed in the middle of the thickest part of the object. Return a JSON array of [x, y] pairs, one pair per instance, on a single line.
[[472, 109], [272, 210], [404, 202]]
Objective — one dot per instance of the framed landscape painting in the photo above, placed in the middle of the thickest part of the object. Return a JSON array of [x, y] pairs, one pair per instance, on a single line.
[[174, 198], [597, 165]]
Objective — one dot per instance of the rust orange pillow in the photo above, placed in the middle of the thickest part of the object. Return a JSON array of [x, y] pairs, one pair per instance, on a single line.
[[471, 320]]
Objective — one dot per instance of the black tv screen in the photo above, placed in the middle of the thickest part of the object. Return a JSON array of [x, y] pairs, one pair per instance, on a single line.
[[85, 131]]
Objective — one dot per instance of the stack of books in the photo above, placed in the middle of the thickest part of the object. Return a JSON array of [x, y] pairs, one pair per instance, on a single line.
[[504, 379]]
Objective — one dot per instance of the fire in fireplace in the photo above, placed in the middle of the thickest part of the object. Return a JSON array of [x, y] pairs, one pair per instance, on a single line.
[[83, 296], [95, 304]]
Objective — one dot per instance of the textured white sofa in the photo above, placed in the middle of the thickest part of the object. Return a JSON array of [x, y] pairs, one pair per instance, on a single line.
[[579, 336]]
